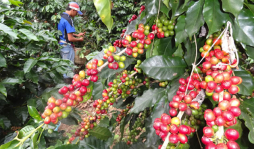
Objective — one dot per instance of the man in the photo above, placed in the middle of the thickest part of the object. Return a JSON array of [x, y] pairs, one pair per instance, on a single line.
[[67, 28]]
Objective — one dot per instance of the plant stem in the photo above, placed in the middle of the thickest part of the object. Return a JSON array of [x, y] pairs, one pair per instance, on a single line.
[[38, 141], [199, 139], [24, 139]]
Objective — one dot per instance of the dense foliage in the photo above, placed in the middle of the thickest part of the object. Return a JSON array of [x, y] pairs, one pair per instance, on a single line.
[[141, 79]]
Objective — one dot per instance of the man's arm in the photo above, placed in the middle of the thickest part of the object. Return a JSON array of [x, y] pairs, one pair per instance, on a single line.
[[80, 34], [71, 38]]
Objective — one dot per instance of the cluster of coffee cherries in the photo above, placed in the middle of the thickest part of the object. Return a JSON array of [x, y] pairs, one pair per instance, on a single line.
[[180, 100], [136, 67], [142, 40], [164, 27], [146, 82], [128, 84], [221, 85], [142, 8], [179, 132], [118, 42], [57, 109], [123, 86], [137, 127], [114, 61], [163, 83], [92, 70], [196, 118], [134, 17], [87, 124], [123, 113], [109, 97]]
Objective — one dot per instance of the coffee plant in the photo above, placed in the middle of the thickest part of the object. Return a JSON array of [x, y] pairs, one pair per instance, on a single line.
[[176, 78]]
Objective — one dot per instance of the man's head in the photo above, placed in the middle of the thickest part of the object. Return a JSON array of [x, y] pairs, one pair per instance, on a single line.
[[73, 9]]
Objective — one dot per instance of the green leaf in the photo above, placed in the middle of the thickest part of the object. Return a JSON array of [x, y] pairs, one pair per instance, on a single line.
[[123, 123], [183, 146], [3, 89], [34, 137], [177, 7], [88, 95], [121, 145], [16, 3], [139, 145], [8, 31], [163, 67], [250, 6], [247, 109], [97, 90], [6, 145], [174, 86], [104, 122], [194, 18], [5, 123], [160, 107], [93, 143], [33, 76], [181, 34], [148, 99], [29, 34], [91, 55], [232, 6], [250, 51], [70, 120], [165, 9], [21, 113], [34, 113], [179, 51], [2, 61], [190, 54], [42, 143], [166, 3], [19, 74], [151, 8], [243, 27], [57, 77], [164, 46], [214, 103], [104, 10], [10, 137], [29, 64], [100, 133], [11, 81], [247, 85], [68, 146], [243, 141], [213, 16], [25, 131]]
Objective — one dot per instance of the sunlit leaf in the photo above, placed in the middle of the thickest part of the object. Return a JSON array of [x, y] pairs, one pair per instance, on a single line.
[[8, 31], [103, 8], [29, 34], [232, 6]]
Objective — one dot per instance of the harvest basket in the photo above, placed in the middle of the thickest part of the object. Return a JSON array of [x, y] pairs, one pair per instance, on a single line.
[[77, 59]]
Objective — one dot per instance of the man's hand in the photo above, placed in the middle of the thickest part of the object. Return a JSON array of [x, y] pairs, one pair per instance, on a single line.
[[81, 34], [81, 39]]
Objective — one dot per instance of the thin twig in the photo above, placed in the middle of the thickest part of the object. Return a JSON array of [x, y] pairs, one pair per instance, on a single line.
[[199, 140]]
